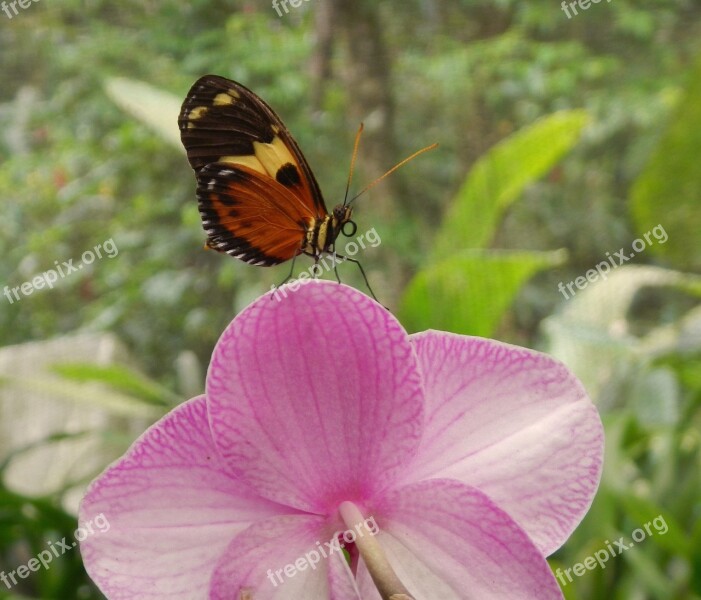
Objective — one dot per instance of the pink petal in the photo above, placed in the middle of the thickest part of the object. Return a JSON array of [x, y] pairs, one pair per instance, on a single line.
[[283, 558], [316, 398], [514, 423], [449, 541], [171, 508]]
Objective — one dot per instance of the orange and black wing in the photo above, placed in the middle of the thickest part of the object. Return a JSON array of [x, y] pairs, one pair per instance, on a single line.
[[256, 192], [250, 216]]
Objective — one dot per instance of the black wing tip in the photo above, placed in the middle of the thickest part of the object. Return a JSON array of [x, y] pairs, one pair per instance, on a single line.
[[214, 83], [222, 240], [222, 172], [199, 88]]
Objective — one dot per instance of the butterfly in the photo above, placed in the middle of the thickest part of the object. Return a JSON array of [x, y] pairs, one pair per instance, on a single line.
[[257, 196]]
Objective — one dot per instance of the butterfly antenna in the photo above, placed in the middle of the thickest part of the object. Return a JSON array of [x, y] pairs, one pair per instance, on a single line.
[[392, 170], [352, 165]]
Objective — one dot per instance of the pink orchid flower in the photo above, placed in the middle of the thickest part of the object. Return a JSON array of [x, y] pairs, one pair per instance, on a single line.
[[335, 457]]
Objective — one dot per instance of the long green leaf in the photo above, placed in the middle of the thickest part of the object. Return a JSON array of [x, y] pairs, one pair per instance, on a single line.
[[469, 292], [667, 192], [498, 178], [89, 395], [119, 378], [153, 107]]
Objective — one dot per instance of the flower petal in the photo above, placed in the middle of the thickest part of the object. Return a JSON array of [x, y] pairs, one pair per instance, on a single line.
[[281, 558], [447, 540], [171, 510], [514, 423], [315, 398]]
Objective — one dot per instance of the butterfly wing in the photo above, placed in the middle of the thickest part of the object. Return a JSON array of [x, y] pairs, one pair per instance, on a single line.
[[249, 215], [223, 121]]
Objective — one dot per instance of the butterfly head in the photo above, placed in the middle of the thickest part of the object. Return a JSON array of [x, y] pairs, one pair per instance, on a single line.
[[342, 220]]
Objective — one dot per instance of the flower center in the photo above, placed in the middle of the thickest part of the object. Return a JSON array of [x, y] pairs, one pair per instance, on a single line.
[[369, 548]]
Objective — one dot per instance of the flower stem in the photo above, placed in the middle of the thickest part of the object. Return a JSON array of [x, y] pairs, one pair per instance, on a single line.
[[384, 577]]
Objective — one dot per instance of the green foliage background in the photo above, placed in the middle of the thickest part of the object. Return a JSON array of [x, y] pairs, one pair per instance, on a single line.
[[560, 140]]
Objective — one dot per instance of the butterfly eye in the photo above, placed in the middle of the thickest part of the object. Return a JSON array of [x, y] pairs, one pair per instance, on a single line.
[[353, 228]]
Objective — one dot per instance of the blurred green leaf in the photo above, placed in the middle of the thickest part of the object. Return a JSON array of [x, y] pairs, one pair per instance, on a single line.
[[667, 192], [596, 343], [696, 557], [688, 370], [648, 573], [50, 439], [644, 511], [499, 177], [469, 292], [116, 403], [27, 524], [119, 378], [153, 107], [655, 398]]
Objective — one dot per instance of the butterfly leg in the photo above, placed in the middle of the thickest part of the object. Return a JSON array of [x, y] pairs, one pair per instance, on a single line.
[[289, 275], [362, 271], [334, 256], [317, 257]]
